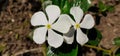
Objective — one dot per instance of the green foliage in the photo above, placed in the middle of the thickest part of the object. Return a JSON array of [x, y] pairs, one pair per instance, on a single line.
[[117, 54], [103, 7], [97, 39], [99, 35], [117, 41], [93, 42], [73, 52], [105, 53], [56, 2], [84, 5], [65, 5]]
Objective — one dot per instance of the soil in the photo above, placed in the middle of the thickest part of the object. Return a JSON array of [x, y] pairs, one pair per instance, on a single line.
[[110, 25], [15, 27]]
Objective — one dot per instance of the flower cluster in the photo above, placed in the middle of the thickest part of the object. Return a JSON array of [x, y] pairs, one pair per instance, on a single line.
[[55, 22]]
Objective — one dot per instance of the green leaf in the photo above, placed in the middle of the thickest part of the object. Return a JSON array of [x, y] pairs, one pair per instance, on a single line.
[[96, 38], [56, 2], [117, 54], [117, 41], [72, 53], [62, 3], [93, 42], [84, 5], [99, 35], [102, 6], [110, 8], [105, 53], [57, 52], [65, 8]]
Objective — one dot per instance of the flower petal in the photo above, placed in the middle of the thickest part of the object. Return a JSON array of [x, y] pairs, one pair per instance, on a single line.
[[81, 37], [38, 18], [53, 12], [55, 40], [63, 24], [77, 12], [88, 22], [71, 20], [69, 37], [39, 35]]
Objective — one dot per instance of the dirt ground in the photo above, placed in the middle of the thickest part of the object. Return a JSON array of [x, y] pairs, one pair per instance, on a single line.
[[15, 27], [110, 25]]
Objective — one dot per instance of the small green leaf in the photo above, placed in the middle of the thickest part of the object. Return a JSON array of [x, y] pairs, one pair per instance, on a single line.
[[105, 53], [93, 42], [117, 41], [56, 2], [102, 6], [99, 35], [84, 5], [64, 50], [117, 54], [66, 7], [110, 8], [62, 3], [95, 36], [74, 52]]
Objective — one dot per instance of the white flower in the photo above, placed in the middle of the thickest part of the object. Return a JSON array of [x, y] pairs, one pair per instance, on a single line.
[[62, 25], [87, 23]]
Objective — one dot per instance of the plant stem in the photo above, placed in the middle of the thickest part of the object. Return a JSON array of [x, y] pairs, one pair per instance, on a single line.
[[98, 48], [111, 52], [44, 49], [114, 49]]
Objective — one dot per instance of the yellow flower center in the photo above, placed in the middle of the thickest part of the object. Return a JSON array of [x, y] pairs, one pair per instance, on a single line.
[[77, 25], [48, 26]]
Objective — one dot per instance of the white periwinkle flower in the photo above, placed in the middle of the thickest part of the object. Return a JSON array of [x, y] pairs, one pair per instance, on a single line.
[[61, 25], [87, 23]]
